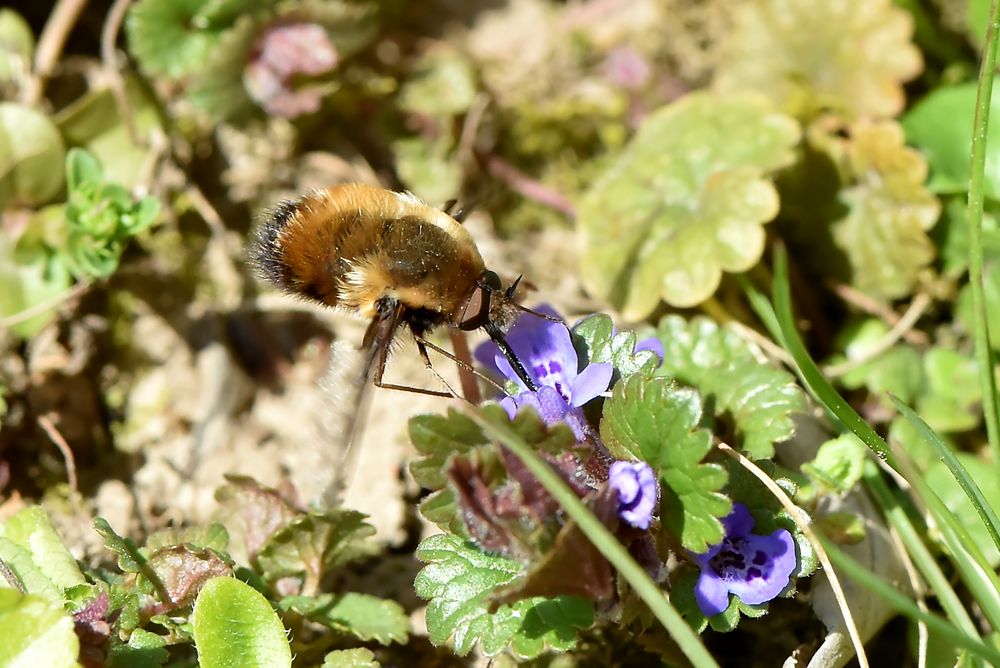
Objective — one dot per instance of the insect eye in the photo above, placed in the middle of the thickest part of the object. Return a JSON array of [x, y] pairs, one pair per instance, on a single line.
[[477, 310]]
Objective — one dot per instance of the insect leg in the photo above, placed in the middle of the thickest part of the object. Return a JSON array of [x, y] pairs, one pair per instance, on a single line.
[[418, 336], [457, 360], [389, 313]]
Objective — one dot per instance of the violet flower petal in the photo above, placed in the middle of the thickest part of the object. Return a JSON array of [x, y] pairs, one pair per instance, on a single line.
[[637, 489], [551, 407], [652, 343], [712, 595], [590, 383], [771, 560], [754, 567], [738, 522]]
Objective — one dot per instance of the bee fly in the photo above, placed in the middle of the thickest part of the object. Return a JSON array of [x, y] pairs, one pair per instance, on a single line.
[[390, 258]]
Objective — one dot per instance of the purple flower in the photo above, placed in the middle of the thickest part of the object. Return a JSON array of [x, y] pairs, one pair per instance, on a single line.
[[652, 343], [545, 348], [756, 568], [635, 483]]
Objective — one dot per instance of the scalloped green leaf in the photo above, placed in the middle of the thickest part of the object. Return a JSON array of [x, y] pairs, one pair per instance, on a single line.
[[167, 38], [144, 650], [848, 56], [31, 530], [595, 341], [896, 370], [364, 616], [884, 233], [35, 631], [940, 125], [684, 202], [757, 398], [234, 626], [457, 580], [350, 658], [436, 438], [838, 463], [655, 420], [315, 544], [983, 474]]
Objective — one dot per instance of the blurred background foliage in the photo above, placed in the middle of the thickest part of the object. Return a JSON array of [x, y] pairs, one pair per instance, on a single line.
[[635, 156]]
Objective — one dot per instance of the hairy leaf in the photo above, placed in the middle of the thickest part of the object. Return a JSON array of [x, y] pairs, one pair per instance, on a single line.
[[235, 627], [884, 233], [684, 202], [183, 570], [457, 580], [257, 511], [316, 544], [361, 615], [144, 650], [35, 631], [849, 56], [838, 464], [596, 341], [654, 420], [31, 530], [350, 658], [755, 398]]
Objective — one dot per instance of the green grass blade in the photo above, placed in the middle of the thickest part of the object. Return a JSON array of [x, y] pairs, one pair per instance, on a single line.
[[602, 539], [944, 453], [814, 379], [977, 172], [917, 549], [907, 607]]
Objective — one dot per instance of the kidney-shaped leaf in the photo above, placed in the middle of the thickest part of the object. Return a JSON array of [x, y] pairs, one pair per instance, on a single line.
[[684, 202], [884, 233], [848, 56]]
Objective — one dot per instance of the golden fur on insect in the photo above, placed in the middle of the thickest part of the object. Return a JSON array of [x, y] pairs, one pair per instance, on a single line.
[[352, 245]]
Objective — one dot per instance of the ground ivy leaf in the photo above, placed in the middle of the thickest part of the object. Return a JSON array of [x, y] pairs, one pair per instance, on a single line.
[[838, 463], [850, 56], [235, 627], [940, 125], [350, 658], [758, 398], [884, 233], [31, 530], [655, 420], [457, 580], [941, 480], [684, 202], [166, 38], [364, 616], [952, 397], [595, 341], [144, 650], [257, 511], [35, 632], [437, 437], [213, 536], [316, 544], [896, 370], [183, 569]]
